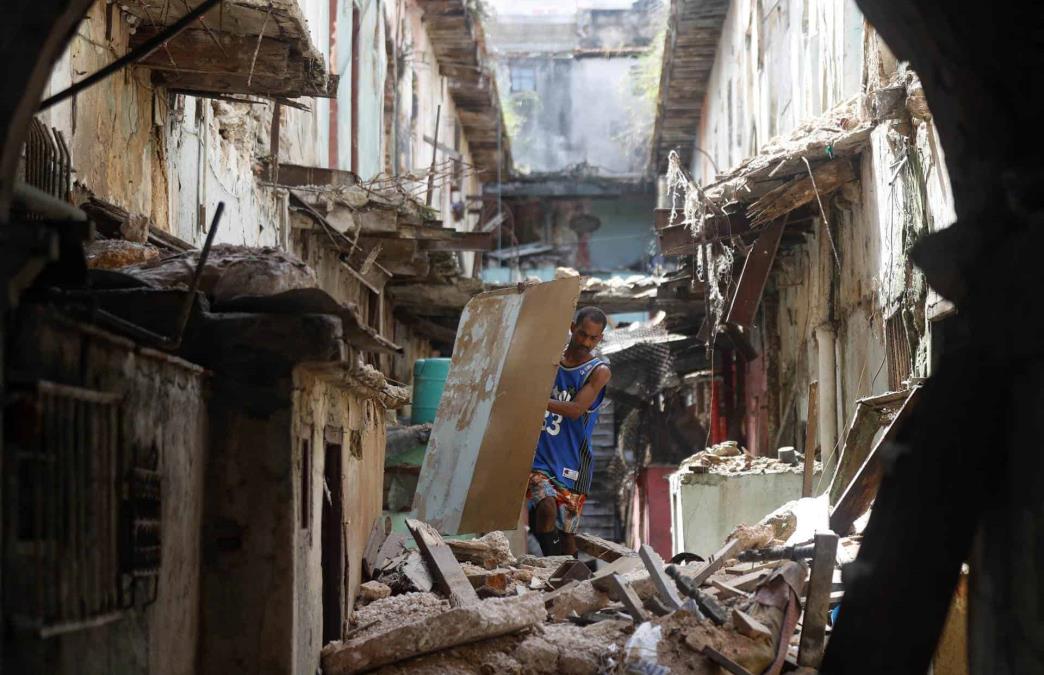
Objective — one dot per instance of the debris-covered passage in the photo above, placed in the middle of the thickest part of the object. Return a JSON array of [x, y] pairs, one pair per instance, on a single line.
[[636, 336]]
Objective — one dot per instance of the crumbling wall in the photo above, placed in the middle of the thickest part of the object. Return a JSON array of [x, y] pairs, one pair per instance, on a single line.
[[328, 414], [174, 157], [162, 413], [116, 129]]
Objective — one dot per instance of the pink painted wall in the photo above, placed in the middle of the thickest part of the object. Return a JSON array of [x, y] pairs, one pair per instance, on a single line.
[[655, 512]]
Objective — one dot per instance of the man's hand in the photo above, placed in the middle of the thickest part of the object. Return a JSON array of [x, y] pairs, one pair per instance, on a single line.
[[579, 406]]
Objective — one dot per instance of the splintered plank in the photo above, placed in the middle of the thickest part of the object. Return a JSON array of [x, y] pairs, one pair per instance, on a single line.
[[859, 494], [756, 269], [463, 625], [449, 577], [603, 549], [665, 587], [820, 583]]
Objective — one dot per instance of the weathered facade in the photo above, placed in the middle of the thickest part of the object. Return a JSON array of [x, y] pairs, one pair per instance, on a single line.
[[799, 91], [269, 122]]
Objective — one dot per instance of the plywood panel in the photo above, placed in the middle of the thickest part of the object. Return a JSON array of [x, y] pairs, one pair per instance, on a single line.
[[488, 422]]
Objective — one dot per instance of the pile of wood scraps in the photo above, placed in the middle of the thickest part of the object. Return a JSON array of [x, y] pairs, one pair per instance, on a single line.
[[473, 607]]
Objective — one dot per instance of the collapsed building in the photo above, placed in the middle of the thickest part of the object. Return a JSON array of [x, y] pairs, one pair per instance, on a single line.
[[192, 437]]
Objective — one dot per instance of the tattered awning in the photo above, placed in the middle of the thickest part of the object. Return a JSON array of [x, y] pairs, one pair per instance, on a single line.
[[260, 47]]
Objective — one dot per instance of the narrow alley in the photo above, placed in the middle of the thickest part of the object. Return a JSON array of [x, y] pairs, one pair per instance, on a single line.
[[520, 336]]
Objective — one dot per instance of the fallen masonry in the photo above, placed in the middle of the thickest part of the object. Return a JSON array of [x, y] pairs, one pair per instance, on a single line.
[[435, 606]]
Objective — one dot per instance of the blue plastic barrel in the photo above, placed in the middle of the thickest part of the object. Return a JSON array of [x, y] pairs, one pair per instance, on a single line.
[[429, 379]]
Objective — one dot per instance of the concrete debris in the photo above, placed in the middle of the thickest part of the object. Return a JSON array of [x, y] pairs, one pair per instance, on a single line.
[[461, 625], [490, 551], [230, 272], [373, 590], [729, 459], [114, 254], [520, 624], [753, 536]]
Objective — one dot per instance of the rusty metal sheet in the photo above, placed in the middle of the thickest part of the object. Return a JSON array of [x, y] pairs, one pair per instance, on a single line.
[[486, 428]]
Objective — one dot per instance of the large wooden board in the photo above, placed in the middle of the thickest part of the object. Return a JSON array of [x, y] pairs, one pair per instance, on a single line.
[[486, 428]]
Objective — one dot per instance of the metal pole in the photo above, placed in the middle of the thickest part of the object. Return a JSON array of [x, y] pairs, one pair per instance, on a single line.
[[434, 155]]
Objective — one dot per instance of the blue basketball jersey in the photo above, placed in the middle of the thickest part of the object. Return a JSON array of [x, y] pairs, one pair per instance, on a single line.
[[564, 449]]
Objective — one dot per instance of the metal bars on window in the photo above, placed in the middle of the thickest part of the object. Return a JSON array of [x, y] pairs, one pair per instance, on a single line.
[[64, 452]]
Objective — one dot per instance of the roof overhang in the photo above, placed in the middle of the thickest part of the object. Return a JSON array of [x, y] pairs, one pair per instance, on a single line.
[[459, 42], [690, 48], [254, 47]]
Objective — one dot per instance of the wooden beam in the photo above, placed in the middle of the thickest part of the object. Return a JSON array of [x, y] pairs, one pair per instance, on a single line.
[[869, 415], [461, 241], [858, 496], [755, 275], [426, 328], [775, 204], [621, 591], [444, 568], [665, 587], [296, 175], [459, 626], [811, 433], [820, 584]]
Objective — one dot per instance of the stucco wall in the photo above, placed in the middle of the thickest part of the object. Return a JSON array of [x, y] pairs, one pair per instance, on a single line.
[[705, 508]]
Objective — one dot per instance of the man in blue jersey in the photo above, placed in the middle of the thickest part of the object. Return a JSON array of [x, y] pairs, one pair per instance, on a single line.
[[563, 465]]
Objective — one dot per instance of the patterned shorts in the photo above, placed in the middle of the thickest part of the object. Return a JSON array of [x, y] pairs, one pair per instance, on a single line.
[[569, 504]]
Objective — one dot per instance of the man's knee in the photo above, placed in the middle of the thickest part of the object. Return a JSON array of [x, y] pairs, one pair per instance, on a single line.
[[544, 514]]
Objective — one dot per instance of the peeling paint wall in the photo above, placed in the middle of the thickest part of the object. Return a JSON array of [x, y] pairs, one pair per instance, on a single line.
[[160, 637], [573, 107], [328, 416], [174, 157], [778, 67]]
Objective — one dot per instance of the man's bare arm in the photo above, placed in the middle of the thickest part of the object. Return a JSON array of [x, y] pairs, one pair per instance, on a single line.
[[576, 408]]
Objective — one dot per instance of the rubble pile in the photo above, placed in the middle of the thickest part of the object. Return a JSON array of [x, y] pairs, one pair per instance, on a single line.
[[729, 459], [437, 606]]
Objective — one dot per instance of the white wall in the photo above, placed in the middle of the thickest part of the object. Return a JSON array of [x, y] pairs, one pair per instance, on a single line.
[[777, 65]]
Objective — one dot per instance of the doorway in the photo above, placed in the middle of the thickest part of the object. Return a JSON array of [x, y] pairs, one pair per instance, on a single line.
[[333, 544]]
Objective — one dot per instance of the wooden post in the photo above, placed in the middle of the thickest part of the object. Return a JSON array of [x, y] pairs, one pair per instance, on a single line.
[[820, 582], [811, 431]]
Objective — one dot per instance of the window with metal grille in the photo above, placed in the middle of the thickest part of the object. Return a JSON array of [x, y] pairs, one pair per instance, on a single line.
[[63, 510], [897, 346]]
